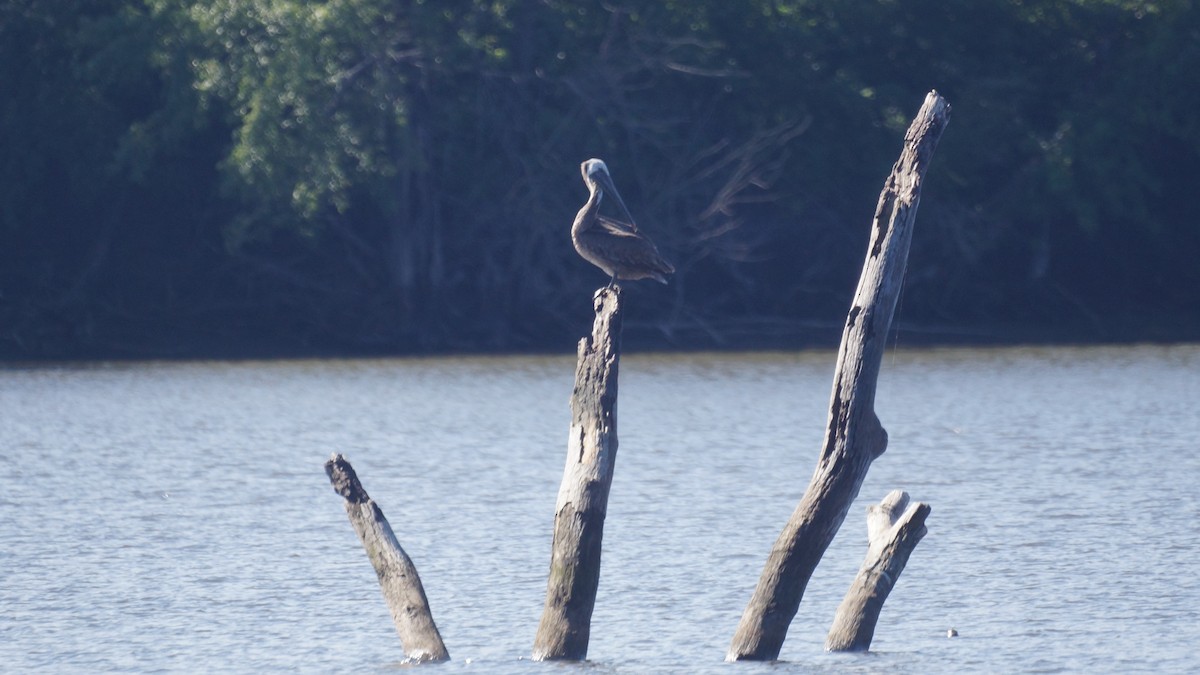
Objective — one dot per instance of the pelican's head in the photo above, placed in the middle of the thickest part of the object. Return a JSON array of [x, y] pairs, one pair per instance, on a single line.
[[595, 174], [592, 171]]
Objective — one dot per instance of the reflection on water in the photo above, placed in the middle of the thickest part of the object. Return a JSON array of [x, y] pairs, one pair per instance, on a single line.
[[172, 515]]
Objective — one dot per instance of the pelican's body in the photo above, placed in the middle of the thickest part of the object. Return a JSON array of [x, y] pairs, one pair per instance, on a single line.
[[614, 246]]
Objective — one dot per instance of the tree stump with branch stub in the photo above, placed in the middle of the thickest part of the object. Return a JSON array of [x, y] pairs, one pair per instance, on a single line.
[[894, 527]]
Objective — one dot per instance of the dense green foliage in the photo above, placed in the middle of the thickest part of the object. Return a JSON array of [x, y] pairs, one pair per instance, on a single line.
[[362, 175]]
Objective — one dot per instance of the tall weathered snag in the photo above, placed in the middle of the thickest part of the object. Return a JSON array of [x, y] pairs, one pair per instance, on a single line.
[[398, 579], [583, 496], [854, 437]]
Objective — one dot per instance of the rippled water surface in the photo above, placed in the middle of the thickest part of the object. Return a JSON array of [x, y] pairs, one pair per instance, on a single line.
[[176, 517]]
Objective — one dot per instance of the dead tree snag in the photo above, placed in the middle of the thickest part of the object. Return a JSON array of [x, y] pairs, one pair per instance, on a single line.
[[398, 579], [583, 495], [854, 436], [893, 530]]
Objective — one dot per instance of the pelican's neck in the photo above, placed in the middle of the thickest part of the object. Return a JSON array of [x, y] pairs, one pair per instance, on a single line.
[[587, 215]]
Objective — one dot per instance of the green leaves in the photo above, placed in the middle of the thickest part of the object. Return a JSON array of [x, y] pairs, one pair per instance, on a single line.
[[424, 153]]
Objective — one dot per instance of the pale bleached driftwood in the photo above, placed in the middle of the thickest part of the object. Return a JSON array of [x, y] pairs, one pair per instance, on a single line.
[[854, 437], [398, 579], [894, 527], [583, 495]]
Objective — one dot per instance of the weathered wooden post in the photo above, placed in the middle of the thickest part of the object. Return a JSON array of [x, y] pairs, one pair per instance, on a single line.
[[893, 530], [854, 436], [583, 496], [398, 579]]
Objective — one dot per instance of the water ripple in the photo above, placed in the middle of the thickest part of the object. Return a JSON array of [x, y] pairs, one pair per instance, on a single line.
[[174, 516]]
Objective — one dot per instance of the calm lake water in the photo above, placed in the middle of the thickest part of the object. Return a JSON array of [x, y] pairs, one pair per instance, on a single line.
[[176, 516]]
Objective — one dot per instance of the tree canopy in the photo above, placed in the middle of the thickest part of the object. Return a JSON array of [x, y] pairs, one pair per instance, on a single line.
[[280, 176]]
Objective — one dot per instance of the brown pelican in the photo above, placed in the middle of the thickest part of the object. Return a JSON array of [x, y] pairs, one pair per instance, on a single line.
[[614, 246]]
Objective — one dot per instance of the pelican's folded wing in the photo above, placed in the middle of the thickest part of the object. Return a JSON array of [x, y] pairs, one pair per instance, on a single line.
[[616, 227]]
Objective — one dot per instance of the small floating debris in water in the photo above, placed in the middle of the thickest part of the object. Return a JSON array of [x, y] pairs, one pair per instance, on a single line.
[[951, 633]]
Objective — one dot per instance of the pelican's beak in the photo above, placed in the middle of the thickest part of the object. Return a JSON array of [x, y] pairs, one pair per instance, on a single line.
[[606, 184]]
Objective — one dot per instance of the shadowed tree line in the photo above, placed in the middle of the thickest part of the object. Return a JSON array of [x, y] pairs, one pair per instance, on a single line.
[[368, 176]]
